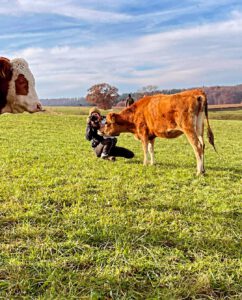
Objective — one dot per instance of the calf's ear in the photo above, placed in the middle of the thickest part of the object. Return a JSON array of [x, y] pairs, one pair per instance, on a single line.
[[5, 68], [111, 117]]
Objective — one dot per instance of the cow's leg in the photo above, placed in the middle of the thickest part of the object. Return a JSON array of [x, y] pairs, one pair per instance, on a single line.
[[197, 147], [151, 151], [200, 132], [145, 149]]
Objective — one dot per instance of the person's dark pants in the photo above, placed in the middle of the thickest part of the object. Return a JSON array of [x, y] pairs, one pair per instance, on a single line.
[[108, 144], [115, 151]]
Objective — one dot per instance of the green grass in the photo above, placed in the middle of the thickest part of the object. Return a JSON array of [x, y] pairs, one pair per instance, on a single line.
[[77, 227], [73, 110], [67, 110], [226, 115], [217, 115]]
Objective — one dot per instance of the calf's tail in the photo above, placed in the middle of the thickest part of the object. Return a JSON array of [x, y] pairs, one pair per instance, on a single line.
[[209, 130]]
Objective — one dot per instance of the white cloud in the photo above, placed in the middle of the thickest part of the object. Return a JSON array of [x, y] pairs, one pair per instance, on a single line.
[[64, 8], [202, 55]]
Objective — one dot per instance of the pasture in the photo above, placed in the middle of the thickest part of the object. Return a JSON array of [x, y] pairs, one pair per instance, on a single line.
[[77, 227]]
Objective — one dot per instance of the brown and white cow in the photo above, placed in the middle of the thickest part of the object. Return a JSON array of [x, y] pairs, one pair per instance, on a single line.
[[166, 116], [17, 87]]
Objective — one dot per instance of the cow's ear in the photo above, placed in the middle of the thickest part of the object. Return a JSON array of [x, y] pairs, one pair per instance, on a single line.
[[112, 117], [5, 68]]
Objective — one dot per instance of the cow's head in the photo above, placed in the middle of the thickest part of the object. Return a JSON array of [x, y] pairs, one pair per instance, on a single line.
[[115, 125], [17, 87]]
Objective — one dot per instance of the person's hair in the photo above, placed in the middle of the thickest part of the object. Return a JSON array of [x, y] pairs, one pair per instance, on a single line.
[[94, 110]]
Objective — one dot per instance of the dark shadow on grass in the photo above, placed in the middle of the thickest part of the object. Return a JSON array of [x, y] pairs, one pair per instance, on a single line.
[[208, 246], [133, 162], [227, 169], [168, 165], [173, 166], [161, 164]]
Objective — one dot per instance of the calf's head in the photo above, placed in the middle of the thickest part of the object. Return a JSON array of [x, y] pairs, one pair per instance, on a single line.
[[17, 87], [115, 125]]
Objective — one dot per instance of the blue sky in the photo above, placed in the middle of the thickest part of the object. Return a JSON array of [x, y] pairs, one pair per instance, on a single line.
[[71, 45]]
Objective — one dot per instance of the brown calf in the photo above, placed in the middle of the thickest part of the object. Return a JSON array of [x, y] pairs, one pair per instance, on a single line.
[[166, 116]]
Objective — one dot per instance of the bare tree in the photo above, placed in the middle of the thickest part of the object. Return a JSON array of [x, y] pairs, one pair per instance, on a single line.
[[102, 95], [149, 89]]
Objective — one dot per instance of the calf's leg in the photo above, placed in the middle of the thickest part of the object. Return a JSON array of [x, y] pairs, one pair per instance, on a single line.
[[151, 151], [198, 149], [145, 149]]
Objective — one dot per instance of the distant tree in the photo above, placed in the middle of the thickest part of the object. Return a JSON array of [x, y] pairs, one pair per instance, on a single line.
[[120, 103], [102, 95], [149, 89]]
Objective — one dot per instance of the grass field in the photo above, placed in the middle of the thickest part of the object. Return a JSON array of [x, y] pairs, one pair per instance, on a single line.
[[77, 227], [217, 115]]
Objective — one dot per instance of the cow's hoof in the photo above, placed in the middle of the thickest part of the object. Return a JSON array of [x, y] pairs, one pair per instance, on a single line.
[[201, 173]]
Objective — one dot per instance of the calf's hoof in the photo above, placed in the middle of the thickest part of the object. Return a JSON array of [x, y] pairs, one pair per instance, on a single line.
[[201, 173]]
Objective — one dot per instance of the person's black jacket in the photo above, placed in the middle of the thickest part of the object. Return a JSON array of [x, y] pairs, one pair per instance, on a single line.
[[92, 135]]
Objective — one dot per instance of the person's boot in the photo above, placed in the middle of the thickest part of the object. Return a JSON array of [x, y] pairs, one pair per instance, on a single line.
[[112, 158], [104, 155]]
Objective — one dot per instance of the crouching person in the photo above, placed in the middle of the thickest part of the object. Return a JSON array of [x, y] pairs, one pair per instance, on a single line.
[[104, 147]]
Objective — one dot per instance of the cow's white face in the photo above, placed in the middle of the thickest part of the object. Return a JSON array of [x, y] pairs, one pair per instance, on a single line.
[[22, 95]]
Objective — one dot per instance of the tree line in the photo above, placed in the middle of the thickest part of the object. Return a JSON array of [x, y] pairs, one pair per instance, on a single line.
[[106, 96]]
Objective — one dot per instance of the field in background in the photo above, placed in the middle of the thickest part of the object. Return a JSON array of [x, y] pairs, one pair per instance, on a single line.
[[217, 115], [226, 115], [77, 227]]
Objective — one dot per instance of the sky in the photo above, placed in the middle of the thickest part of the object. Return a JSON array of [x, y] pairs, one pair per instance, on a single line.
[[71, 45]]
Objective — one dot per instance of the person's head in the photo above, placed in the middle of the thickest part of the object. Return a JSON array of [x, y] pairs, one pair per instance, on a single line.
[[129, 95], [95, 116]]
